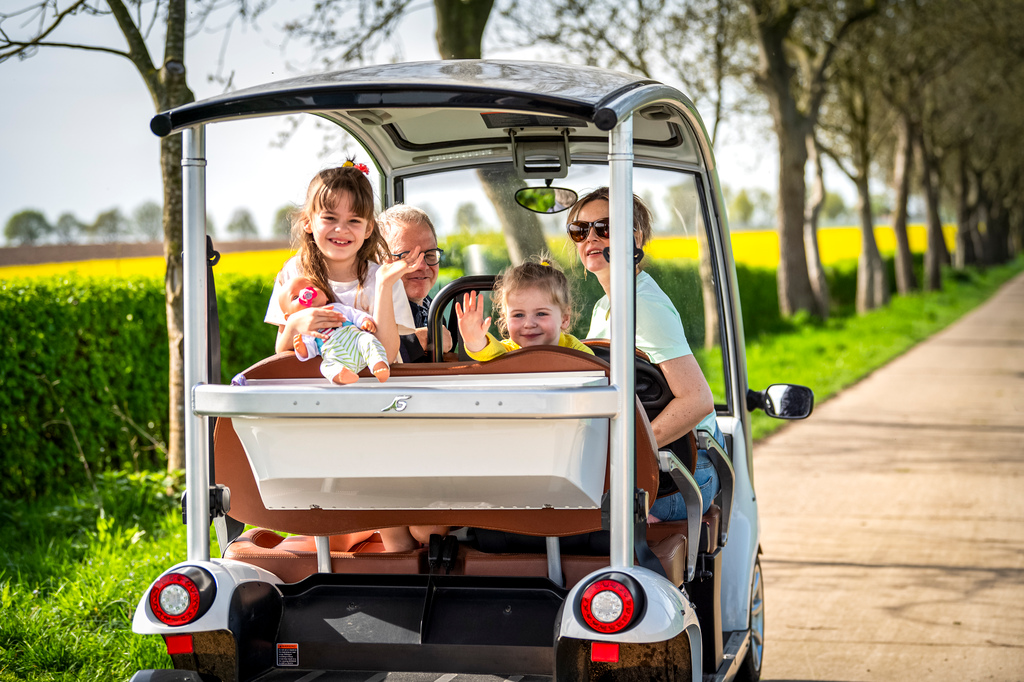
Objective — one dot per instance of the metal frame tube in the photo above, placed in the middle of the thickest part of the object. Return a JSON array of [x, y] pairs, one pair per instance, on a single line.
[[623, 342], [323, 554], [197, 455]]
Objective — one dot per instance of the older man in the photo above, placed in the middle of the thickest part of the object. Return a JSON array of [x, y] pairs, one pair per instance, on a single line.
[[405, 228]]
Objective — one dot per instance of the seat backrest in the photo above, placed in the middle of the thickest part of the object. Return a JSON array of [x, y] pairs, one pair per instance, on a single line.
[[234, 471]]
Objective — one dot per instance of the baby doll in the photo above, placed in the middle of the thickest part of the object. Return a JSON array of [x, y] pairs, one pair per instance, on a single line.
[[345, 349]]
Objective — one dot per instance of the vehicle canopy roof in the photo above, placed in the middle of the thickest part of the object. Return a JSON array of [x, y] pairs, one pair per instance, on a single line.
[[412, 114]]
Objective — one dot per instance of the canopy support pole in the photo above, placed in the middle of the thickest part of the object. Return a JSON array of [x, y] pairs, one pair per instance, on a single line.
[[197, 451], [623, 282]]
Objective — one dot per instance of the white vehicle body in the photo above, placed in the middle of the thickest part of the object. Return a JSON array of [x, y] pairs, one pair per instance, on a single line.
[[406, 451]]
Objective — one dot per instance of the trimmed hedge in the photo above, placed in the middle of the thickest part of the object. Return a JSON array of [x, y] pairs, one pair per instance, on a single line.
[[77, 352], [84, 356]]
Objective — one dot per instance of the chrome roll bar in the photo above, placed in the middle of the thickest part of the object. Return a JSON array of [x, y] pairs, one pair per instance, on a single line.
[[197, 450], [623, 282]]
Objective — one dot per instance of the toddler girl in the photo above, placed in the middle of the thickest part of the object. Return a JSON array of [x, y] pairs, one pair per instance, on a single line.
[[533, 303]]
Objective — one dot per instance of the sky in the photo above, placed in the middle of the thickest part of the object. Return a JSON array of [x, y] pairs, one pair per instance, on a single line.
[[74, 125]]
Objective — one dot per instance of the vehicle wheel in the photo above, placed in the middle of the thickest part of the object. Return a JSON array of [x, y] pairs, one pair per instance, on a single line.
[[750, 669]]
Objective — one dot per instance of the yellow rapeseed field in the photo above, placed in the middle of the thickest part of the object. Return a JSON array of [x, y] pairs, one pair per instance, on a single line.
[[760, 249], [250, 262]]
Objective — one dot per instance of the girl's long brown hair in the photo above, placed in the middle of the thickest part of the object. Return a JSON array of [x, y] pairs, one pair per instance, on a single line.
[[325, 190]]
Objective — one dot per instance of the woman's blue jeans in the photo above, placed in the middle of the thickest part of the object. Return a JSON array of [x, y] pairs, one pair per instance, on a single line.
[[673, 507]]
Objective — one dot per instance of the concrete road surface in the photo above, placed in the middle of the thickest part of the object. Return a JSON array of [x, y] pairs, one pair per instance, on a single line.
[[893, 518]]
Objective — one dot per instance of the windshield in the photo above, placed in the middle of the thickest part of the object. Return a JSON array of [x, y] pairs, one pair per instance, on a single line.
[[479, 225]]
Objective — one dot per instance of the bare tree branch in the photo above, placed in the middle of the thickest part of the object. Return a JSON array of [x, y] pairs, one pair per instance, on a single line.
[[24, 48], [74, 46]]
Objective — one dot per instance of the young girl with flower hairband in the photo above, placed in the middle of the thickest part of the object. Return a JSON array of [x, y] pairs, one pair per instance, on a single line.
[[340, 249], [533, 303]]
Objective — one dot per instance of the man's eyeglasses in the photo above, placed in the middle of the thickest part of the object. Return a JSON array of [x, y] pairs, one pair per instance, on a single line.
[[579, 229], [430, 256]]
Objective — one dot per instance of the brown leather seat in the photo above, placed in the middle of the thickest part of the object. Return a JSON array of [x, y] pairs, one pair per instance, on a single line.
[[293, 558], [234, 471]]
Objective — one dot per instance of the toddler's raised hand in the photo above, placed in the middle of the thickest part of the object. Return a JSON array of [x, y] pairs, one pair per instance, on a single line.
[[472, 325], [368, 325]]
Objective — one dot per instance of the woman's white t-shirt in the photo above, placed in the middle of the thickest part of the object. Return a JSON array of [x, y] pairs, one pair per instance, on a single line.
[[659, 329], [349, 293]]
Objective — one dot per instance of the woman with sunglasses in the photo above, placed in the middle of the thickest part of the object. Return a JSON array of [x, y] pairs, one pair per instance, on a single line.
[[659, 333]]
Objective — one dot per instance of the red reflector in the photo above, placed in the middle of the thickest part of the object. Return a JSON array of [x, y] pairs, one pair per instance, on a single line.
[[604, 652], [178, 644]]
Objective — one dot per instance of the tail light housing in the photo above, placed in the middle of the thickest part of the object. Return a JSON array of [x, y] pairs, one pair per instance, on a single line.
[[611, 603], [182, 596]]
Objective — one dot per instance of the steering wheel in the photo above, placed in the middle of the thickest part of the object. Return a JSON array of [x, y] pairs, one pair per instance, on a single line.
[[451, 292], [651, 387]]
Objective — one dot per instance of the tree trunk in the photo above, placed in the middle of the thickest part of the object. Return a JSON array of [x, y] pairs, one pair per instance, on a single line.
[[815, 270], [906, 280], [999, 231], [794, 284], [460, 27], [936, 253], [460, 31], [1016, 231], [712, 327], [872, 281], [523, 234], [170, 166], [964, 254], [170, 89], [982, 251]]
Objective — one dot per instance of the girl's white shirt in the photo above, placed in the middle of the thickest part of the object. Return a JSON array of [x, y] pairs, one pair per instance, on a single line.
[[346, 292]]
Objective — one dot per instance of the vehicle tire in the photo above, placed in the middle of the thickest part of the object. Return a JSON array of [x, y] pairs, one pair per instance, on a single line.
[[750, 669]]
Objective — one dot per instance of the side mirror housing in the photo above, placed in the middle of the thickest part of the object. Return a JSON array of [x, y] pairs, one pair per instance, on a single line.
[[782, 401]]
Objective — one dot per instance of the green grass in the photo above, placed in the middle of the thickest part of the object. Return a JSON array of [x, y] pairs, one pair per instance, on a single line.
[[832, 355], [73, 568], [72, 572]]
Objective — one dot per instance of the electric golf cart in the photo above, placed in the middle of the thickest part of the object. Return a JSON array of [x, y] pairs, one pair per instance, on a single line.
[[542, 460]]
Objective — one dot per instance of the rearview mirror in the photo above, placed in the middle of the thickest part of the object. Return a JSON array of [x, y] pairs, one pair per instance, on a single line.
[[782, 401], [545, 199]]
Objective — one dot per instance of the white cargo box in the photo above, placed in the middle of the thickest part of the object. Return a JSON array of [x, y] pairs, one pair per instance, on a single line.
[[498, 441]]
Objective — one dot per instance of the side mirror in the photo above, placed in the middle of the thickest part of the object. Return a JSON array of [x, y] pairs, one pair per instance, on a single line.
[[546, 199], [782, 401]]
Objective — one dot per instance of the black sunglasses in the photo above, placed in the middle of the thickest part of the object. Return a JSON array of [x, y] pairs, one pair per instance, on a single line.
[[430, 256], [579, 229]]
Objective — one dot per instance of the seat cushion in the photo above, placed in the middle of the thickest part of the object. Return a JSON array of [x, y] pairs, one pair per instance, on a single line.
[[671, 552], [293, 558], [708, 529]]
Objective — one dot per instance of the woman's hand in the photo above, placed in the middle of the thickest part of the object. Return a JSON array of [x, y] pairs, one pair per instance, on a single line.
[[472, 325], [309, 321]]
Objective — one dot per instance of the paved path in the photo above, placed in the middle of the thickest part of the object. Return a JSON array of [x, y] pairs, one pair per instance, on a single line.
[[893, 518]]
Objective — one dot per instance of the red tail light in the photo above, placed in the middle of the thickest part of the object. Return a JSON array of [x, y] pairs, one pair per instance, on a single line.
[[178, 644], [183, 596], [611, 603]]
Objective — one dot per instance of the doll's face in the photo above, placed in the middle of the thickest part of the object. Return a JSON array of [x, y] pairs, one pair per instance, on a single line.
[[298, 294]]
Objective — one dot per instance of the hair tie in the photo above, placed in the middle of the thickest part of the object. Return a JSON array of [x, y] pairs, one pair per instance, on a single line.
[[350, 163], [546, 263]]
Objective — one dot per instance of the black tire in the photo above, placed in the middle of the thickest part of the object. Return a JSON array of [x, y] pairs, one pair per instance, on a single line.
[[750, 669]]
